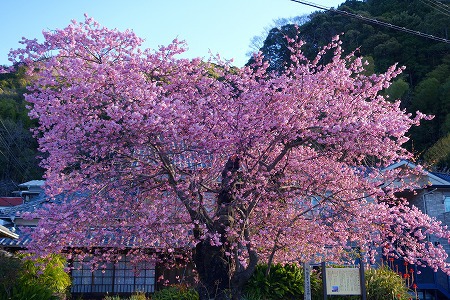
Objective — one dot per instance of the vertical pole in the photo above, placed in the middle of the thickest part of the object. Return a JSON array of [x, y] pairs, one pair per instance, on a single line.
[[362, 279], [307, 273], [113, 270], [324, 280]]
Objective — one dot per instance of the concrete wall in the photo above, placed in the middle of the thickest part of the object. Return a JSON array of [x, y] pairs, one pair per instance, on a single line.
[[431, 201]]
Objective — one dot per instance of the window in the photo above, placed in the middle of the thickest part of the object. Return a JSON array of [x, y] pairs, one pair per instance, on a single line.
[[447, 204], [122, 277]]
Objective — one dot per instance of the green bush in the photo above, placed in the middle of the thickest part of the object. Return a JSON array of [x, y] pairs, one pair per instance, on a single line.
[[48, 272], [176, 293], [283, 282], [138, 296], [9, 271], [41, 279], [112, 298], [383, 283], [32, 291]]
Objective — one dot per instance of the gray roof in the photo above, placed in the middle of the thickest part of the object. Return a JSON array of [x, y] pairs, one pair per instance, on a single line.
[[9, 213], [22, 240], [33, 183], [28, 207], [444, 176], [5, 232]]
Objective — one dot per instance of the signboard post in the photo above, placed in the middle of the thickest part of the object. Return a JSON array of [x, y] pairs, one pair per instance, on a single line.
[[362, 280], [307, 272], [324, 281]]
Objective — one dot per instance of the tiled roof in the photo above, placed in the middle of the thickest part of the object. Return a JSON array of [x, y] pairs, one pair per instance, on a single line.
[[5, 232], [444, 176], [29, 206], [25, 238], [33, 183], [15, 211], [20, 242]]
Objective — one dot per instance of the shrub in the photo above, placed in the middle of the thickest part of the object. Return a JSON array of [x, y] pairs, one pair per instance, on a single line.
[[9, 271], [282, 282], [112, 298], [136, 296], [35, 279], [383, 283], [24, 290], [176, 292], [48, 272]]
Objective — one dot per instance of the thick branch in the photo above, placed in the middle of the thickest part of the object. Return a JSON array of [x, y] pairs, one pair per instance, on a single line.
[[285, 151], [280, 231], [241, 277], [199, 215]]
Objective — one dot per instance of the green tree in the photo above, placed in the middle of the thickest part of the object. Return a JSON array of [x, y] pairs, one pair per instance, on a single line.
[[432, 96], [18, 148], [438, 155], [18, 155], [425, 81], [398, 89]]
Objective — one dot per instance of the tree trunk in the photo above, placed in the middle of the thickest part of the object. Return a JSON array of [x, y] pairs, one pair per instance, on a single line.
[[221, 277], [213, 268]]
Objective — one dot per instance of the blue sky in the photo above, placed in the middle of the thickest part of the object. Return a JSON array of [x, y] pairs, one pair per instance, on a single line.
[[225, 27]]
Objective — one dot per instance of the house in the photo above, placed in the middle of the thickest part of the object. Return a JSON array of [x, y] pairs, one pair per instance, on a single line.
[[122, 278], [6, 202], [434, 200], [30, 189]]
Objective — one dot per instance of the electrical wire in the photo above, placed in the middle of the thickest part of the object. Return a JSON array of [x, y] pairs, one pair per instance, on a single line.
[[9, 133], [440, 4], [9, 155], [437, 7], [374, 21]]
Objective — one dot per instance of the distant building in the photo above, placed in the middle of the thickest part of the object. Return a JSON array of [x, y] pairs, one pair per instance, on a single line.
[[434, 200], [123, 278], [7, 202], [30, 189]]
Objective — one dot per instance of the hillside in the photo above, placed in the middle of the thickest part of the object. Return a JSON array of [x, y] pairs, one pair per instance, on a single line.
[[425, 84]]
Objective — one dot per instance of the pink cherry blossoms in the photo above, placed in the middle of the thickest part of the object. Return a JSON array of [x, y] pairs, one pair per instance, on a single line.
[[144, 150]]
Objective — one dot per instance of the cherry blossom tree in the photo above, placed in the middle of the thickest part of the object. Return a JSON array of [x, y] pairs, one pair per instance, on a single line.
[[229, 166]]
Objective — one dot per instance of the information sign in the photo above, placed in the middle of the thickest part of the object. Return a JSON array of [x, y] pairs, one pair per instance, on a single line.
[[343, 281]]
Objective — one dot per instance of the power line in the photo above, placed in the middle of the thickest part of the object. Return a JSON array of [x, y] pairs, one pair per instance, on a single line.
[[10, 155], [442, 5], [374, 21], [7, 148], [9, 133], [434, 4]]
